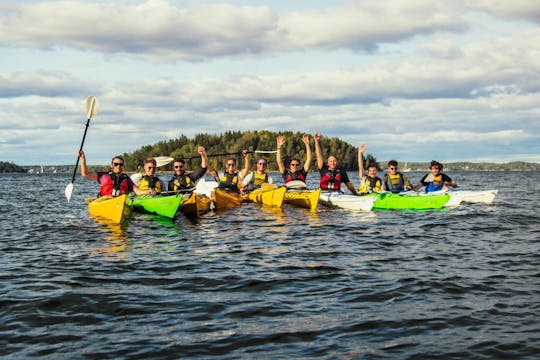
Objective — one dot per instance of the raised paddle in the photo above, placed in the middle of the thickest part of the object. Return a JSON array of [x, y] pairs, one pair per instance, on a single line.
[[92, 107]]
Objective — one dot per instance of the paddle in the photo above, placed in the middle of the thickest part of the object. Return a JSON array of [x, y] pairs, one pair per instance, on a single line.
[[234, 153], [92, 107]]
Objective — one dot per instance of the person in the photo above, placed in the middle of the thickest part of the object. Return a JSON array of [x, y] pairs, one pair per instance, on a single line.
[[332, 174], [435, 180], [259, 176], [114, 182], [231, 178], [369, 183], [149, 180], [295, 171], [394, 180], [182, 180]]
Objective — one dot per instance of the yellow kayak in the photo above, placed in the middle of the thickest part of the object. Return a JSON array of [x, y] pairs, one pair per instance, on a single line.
[[308, 199], [193, 205], [268, 194], [226, 199], [113, 208]]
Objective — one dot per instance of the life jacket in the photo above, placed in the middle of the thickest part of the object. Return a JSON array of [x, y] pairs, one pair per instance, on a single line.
[[436, 184], [370, 185], [111, 184], [179, 182], [229, 182], [331, 180], [394, 183], [150, 183], [297, 175], [258, 179]]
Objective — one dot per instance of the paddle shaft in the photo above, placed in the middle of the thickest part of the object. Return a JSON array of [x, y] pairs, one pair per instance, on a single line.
[[230, 153], [80, 149]]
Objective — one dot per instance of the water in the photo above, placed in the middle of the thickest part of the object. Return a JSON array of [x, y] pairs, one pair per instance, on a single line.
[[267, 283]]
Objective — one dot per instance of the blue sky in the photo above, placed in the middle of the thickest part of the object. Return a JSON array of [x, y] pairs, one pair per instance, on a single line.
[[414, 80]]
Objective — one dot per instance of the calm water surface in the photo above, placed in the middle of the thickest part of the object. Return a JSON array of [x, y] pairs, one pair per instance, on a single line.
[[257, 282]]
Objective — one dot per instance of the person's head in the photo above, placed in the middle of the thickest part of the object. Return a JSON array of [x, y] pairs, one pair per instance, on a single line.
[[179, 166], [332, 162], [230, 165], [435, 167], [295, 164], [150, 166], [117, 164], [372, 170], [261, 165], [392, 167]]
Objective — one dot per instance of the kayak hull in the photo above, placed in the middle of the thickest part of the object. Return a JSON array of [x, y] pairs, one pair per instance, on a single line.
[[308, 199], [349, 202], [115, 209], [165, 206], [270, 195], [225, 199], [471, 196], [413, 201], [194, 205]]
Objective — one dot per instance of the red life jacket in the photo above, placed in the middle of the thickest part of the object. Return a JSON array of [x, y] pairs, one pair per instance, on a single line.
[[110, 184], [331, 180], [297, 175]]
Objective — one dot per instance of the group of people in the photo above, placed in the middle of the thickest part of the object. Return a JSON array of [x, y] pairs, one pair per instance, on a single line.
[[332, 175]]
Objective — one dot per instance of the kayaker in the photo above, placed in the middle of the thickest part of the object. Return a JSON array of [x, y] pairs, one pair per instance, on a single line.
[[231, 178], [296, 171], [181, 179], [332, 174], [149, 180], [435, 180], [395, 181], [114, 182], [369, 183], [259, 176]]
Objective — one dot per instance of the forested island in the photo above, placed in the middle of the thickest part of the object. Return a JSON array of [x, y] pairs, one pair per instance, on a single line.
[[232, 142]]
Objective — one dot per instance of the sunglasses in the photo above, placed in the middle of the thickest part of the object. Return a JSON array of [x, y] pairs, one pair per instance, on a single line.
[[231, 164], [178, 166], [118, 164], [151, 168], [392, 168], [262, 163], [295, 164]]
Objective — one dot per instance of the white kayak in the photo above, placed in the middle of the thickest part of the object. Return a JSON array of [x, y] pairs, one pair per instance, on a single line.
[[471, 196], [344, 201]]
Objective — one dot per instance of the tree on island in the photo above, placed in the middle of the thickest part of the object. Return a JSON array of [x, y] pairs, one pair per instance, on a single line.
[[8, 167]]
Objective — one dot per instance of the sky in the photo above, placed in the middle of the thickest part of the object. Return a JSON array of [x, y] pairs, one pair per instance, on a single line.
[[414, 80]]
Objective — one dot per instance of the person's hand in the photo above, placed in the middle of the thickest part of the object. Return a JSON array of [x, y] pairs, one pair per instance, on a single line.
[[317, 136], [81, 154], [362, 148], [280, 140], [245, 153], [305, 139], [201, 150]]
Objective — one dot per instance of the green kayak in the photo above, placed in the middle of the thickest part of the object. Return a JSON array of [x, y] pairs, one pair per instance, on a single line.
[[413, 201], [166, 206]]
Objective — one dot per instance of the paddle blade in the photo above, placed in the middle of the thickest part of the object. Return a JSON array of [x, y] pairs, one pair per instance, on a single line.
[[92, 106], [68, 191], [162, 160]]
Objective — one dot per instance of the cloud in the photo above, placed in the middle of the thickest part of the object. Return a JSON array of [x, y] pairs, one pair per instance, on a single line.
[[516, 9], [158, 28]]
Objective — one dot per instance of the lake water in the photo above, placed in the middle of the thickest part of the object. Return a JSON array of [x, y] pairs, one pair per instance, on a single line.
[[257, 282]]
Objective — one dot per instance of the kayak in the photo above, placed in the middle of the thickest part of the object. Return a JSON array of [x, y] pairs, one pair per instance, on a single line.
[[268, 194], [162, 205], [113, 208], [412, 200], [344, 201], [193, 205], [471, 196], [308, 199], [226, 199]]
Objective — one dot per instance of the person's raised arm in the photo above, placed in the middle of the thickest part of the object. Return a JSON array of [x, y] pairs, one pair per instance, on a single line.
[[318, 153], [361, 171], [246, 168], [204, 157], [280, 140], [84, 168], [309, 156]]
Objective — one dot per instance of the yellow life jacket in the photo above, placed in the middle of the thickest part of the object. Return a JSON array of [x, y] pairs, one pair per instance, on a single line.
[[370, 185], [259, 179], [150, 183]]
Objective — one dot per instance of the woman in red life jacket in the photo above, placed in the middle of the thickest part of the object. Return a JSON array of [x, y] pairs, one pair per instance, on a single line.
[[332, 174], [115, 182]]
